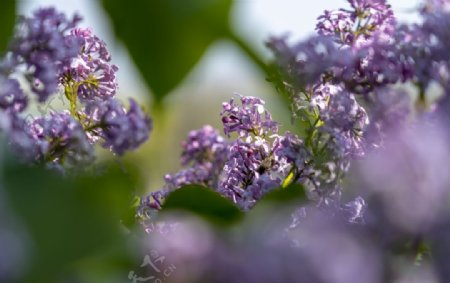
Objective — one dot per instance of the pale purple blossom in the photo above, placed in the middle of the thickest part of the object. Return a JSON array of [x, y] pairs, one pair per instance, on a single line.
[[90, 70], [249, 118], [12, 97], [345, 121], [203, 145], [249, 173], [355, 27], [43, 44], [61, 140], [291, 149], [120, 129]]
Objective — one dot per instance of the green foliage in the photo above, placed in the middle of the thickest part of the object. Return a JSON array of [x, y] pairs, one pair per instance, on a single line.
[[166, 38], [7, 20], [205, 203], [293, 193], [69, 219]]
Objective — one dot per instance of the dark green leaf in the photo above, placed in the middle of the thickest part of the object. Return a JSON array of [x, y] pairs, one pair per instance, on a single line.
[[7, 20], [68, 219], [292, 193], [166, 38], [205, 203]]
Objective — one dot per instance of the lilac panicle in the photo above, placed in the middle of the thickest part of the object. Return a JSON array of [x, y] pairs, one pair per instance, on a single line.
[[290, 149], [199, 174], [248, 118], [205, 153], [43, 44], [247, 174], [94, 75], [203, 145], [12, 97], [345, 121], [120, 129], [357, 26], [61, 140], [306, 62]]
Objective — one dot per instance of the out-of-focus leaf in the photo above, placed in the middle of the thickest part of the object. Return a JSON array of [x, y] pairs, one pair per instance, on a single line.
[[7, 20], [166, 38], [292, 193], [68, 219], [205, 203]]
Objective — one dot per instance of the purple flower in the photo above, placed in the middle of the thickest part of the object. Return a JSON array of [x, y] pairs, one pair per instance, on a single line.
[[433, 6], [12, 97], [43, 44], [354, 210], [248, 173], [200, 174], [345, 121], [61, 140], [248, 118], [306, 62], [356, 27], [16, 129], [389, 109], [91, 72], [203, 145], [291, 149], [119, 128]]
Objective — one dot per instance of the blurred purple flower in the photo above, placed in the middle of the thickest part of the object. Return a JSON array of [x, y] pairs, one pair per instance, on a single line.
[[248, 118], [44, 45], [61, 140], [203, 145], [120, 129], [12, 97]]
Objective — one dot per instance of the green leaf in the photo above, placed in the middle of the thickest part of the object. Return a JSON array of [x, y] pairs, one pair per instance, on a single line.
[[205, 203], [7, 20], [166, 38], [68, 219], [292, 193]]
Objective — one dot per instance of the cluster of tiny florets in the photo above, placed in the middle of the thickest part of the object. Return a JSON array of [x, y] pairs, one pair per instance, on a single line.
[[57, 58]]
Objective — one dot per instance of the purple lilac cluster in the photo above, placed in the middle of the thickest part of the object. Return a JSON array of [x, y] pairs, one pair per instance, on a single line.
[[55, 57], [360, 118], [203, 157], [43, 44], [259, 160], [359, 57], [248, 118], [90, 72]]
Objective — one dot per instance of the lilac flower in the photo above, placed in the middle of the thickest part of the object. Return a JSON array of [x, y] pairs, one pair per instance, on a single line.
[[203, 145], [16, 129], [345, 121], [90, 71], [12, 97], [248, 118], [200, 174], [433, 6], [119, 128], [291, 149], [43, 44], [356, 27], [388, 109], [61, 140], [247, 174], [304, 63], [409, 172], [354, 210]]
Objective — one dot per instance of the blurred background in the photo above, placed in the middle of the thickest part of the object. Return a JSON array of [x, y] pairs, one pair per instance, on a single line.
[[220, 68]]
